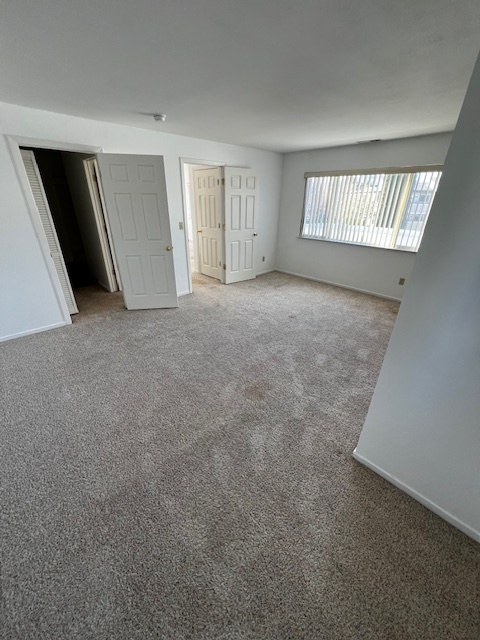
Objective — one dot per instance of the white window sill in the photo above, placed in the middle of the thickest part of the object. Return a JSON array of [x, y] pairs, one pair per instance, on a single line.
[[358, 244]]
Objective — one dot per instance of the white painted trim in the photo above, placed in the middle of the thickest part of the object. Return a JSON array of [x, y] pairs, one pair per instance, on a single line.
[[29, 332], [208, 163], [445, 515], [54, 144], [337, 284], [359, 244], [375, 170], [184, 293], [183, 182], [264, 273]]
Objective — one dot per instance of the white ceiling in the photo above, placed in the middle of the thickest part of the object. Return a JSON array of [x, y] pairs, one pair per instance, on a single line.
[[278, 74]]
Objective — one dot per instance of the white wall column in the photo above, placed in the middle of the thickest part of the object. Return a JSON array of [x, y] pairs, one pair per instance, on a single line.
[[422, 431]]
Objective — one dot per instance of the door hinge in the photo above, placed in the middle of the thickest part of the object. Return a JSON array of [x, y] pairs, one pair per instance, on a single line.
[[225, 267], [223, 181], [224, 227]]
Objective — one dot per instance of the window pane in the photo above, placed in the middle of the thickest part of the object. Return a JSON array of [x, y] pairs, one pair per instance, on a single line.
[[420, 198], [380, 209]]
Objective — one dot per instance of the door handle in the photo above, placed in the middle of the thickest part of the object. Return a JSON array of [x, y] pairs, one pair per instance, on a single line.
[[168, 248], [255, 234], [199, 230]]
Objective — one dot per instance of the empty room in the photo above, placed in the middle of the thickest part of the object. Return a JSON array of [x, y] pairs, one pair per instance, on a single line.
[[239, 337]]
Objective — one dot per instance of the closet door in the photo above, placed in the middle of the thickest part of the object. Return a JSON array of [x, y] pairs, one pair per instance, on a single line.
[[136, 205], [40, 198]]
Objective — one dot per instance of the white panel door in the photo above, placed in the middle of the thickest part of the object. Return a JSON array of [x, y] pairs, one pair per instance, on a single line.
[[36, 184], [208, 211], [135, 197], [241, 204]]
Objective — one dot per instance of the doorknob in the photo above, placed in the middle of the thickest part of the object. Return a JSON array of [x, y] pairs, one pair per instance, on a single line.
[[255, 234], [168, 248], [199, 230]]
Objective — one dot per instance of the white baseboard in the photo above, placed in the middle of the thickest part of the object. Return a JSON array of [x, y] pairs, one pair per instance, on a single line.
[[12, 336], [183, 293], [453, 520], [264, 273], [337, 284]]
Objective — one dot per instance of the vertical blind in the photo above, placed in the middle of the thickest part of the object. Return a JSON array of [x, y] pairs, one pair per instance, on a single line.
[[386, 210]]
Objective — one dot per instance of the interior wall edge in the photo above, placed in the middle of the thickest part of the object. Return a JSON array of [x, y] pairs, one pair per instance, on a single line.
[[338, 284], [30, 332], [432, 506], [264, 273]]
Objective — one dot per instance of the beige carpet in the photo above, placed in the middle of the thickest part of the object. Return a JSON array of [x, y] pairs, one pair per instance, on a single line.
[[187, 474]]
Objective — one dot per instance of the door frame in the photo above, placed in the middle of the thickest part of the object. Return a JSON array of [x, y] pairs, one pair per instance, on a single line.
[[14, 143], [183, 162], [103, 225]]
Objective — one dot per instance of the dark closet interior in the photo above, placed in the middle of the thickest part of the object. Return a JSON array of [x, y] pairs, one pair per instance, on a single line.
[[52, 170]]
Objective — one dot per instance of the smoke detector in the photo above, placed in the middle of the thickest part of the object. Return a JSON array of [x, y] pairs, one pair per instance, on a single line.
[[159, 117]]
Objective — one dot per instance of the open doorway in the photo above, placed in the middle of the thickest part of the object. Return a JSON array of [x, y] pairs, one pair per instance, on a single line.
[[220, 214], [69, 201], [134, 222], [203, 203]]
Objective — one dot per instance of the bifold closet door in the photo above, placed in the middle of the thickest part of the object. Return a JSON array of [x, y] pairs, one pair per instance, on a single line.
[[41, 201]]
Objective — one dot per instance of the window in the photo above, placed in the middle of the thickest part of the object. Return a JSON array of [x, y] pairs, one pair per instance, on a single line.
[[388, 208]]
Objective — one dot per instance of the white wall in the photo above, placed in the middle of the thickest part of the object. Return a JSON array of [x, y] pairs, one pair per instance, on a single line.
[[423, 426], [27, 298], [368, 269]]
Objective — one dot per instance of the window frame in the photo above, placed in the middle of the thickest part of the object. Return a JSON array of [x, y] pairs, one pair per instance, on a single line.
[[411, 169]]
